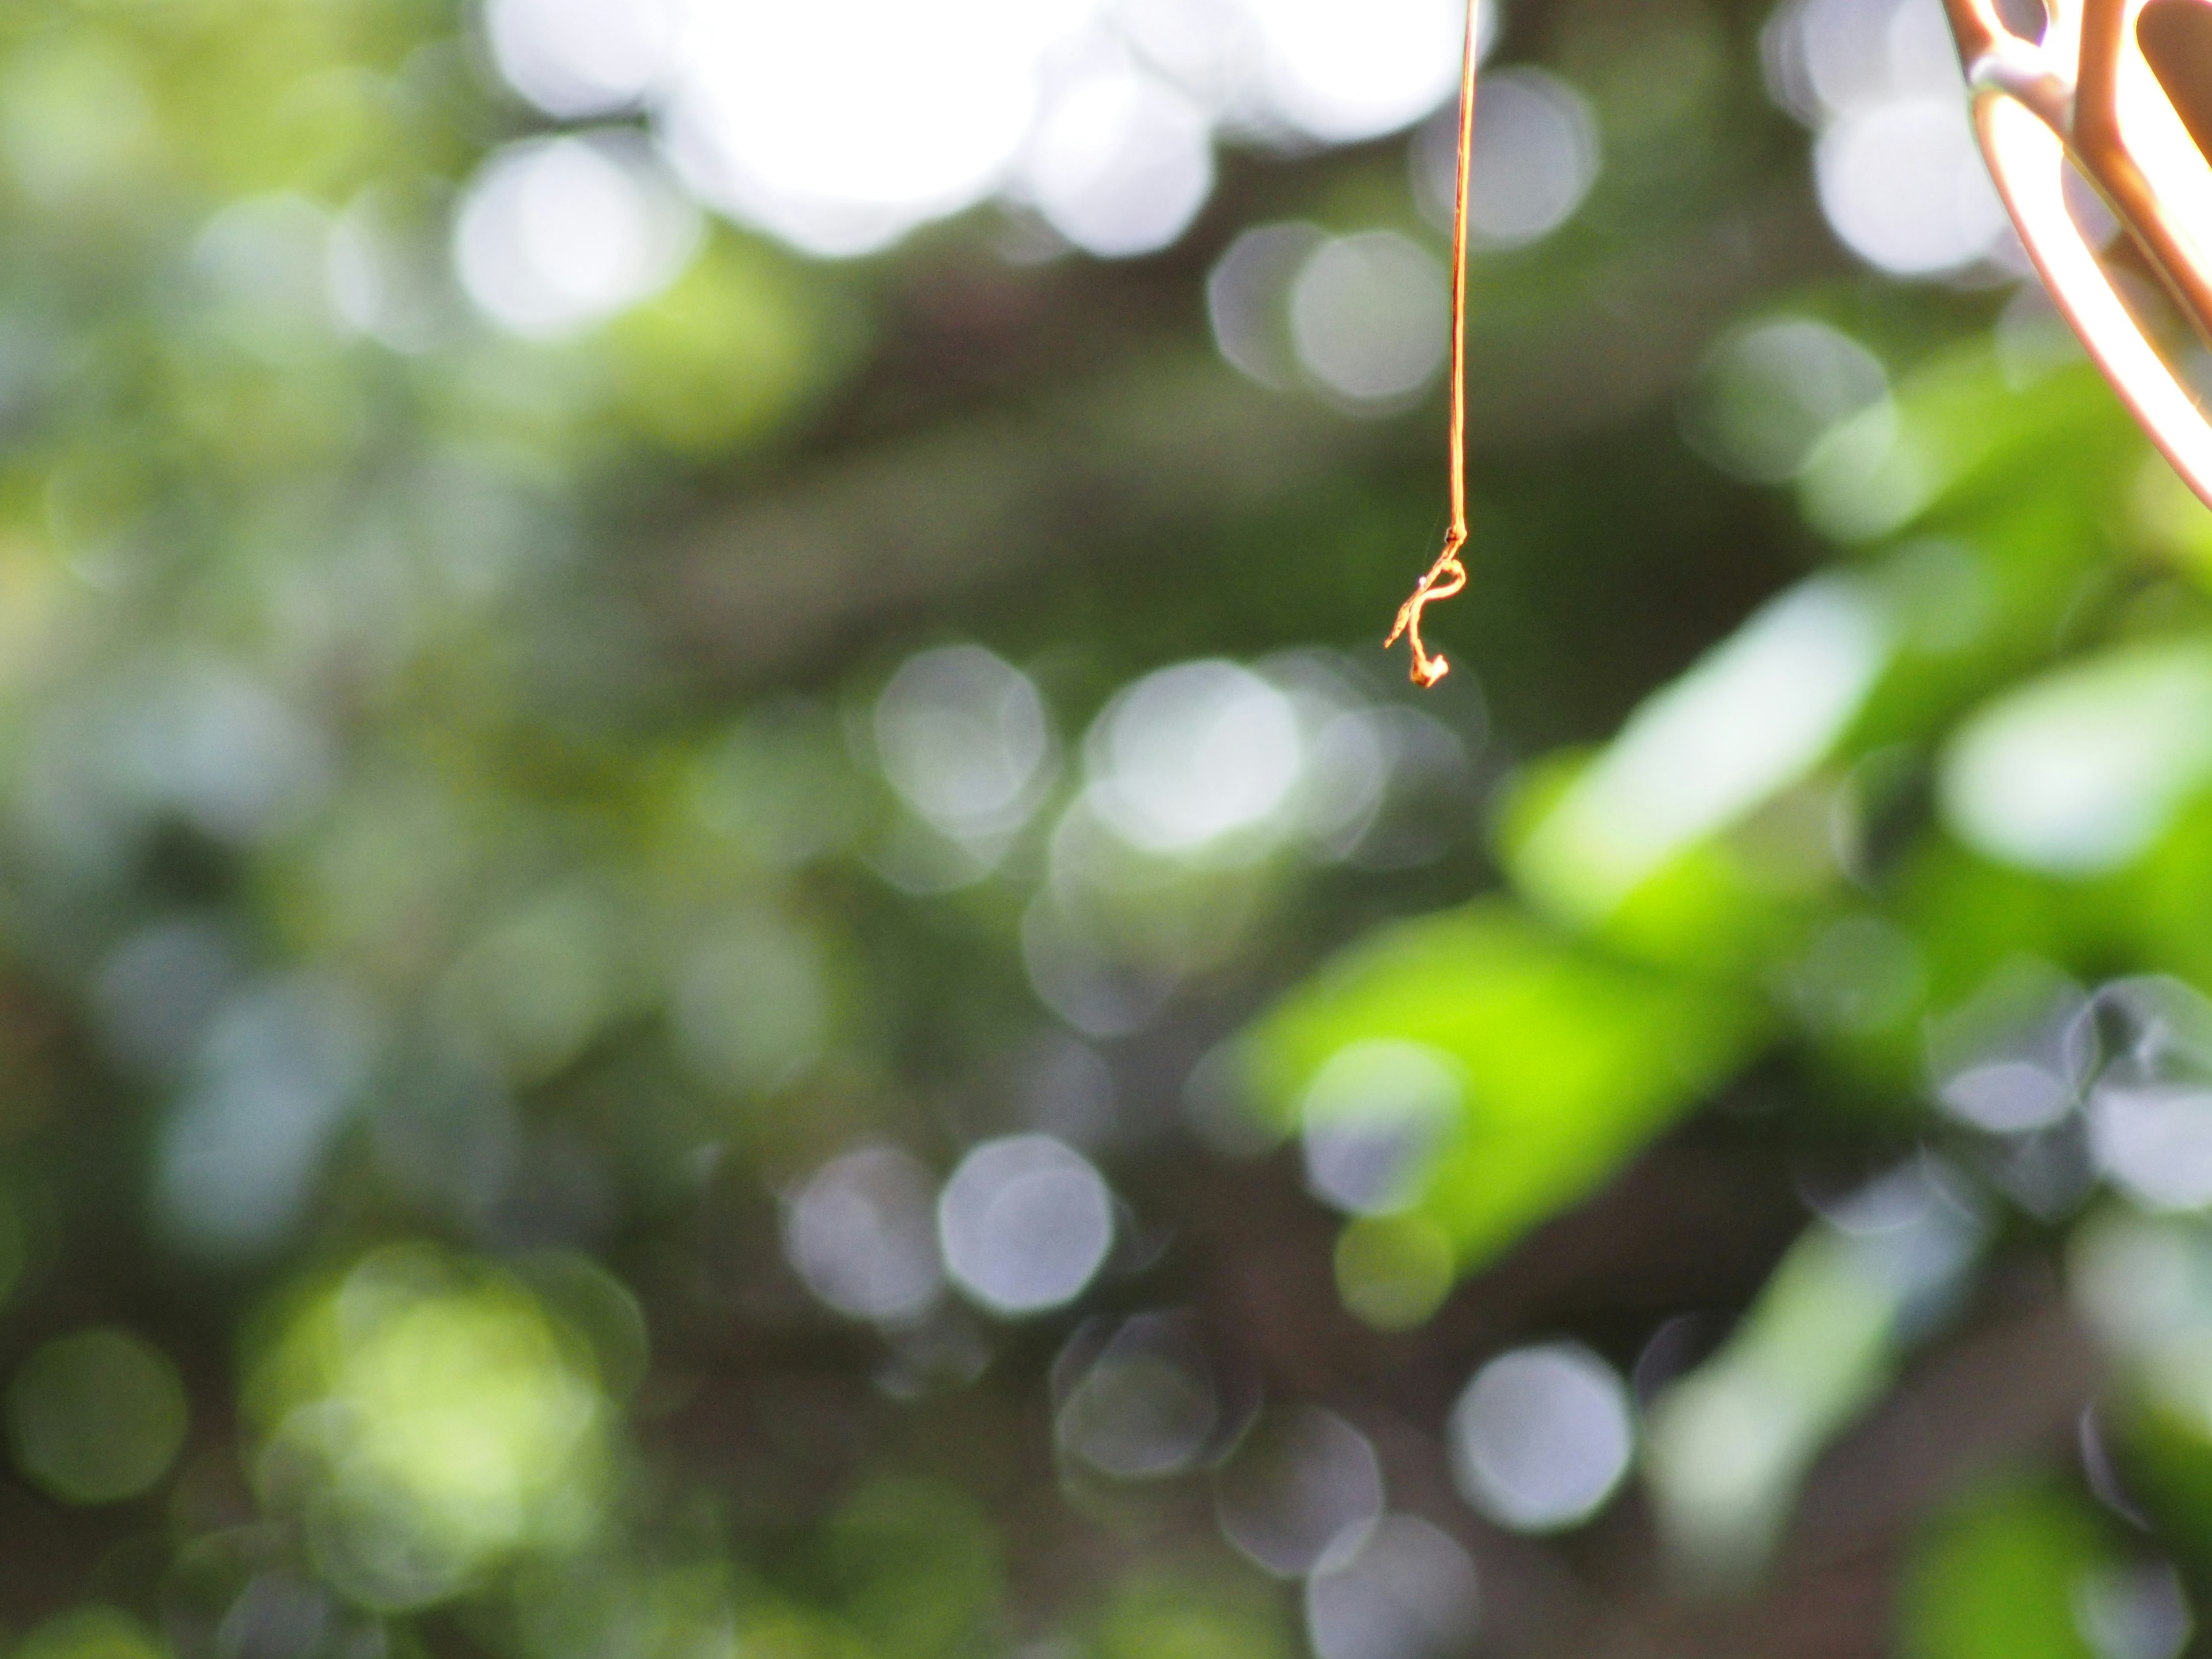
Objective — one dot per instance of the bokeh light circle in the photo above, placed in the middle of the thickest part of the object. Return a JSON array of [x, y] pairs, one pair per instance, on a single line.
[[1024, 1222], [556, 233], [862, 1233], [1300, 1493], [1371, 315], [1407, 1591], [1543, 1436], [1193, 754], [961, 736]]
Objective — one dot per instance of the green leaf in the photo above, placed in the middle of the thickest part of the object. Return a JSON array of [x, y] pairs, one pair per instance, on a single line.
[[1958, 434], [1728, 1446], [2000, 1577], [2080, 772], [915, 1566], [1569, 1060], [1755, 715], [1158, 1617]]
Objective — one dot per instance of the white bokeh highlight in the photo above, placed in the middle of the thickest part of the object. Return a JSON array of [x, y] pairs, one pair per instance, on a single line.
[[862, 1233], [1371, 315], [963, 738], [2150, 1107], [1121, 163], [1025, 1225], [840, 125], [1542, 1438], [1905, 186], [555, 234], [1247, 297], [1340, 73], [1409, 1591], [576, 58], [1536, 159], [2013, 1059], [1900, 176], [2081, 771], [1192, 755]]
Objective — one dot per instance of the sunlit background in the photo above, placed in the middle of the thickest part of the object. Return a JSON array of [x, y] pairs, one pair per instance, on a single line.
[[720, 936]]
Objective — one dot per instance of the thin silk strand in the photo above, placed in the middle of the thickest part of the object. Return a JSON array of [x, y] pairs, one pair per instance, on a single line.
[[1447, 575]]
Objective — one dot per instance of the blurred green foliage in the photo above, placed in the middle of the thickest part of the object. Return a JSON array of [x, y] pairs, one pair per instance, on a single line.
[[494, 979], [2001, 1576]]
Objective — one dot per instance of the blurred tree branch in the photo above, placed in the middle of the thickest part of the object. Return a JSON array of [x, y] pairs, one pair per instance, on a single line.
[[794, 574]]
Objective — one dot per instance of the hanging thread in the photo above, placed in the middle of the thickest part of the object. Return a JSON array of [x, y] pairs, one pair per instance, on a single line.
[[1447, 576]]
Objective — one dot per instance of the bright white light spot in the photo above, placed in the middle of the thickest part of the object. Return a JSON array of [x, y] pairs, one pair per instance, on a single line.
[[1204, 45], [556, 233], [1373, 1118], [1371, 317], [841, 125], [1121, 163], [1145, 1407], [862, 1234], [1353, 750], [1905, 187], [582, 58], [2013, 1059], [1302, 1492], [2081, 771], [2007, 1096], [1024, 1223], [1827, 57], [1535, 159], [1409, 1592], [2134, 1611], [2155, 1143], [1341, 72], [1541, 1437], [1753, 717], [962, 738], [1247, 299], [2150, 1110], [1350, 761], [1901, 178], [1767, 394], [1193, 754]]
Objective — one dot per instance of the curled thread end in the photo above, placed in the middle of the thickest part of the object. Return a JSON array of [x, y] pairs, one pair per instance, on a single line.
[[1445, 578]]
